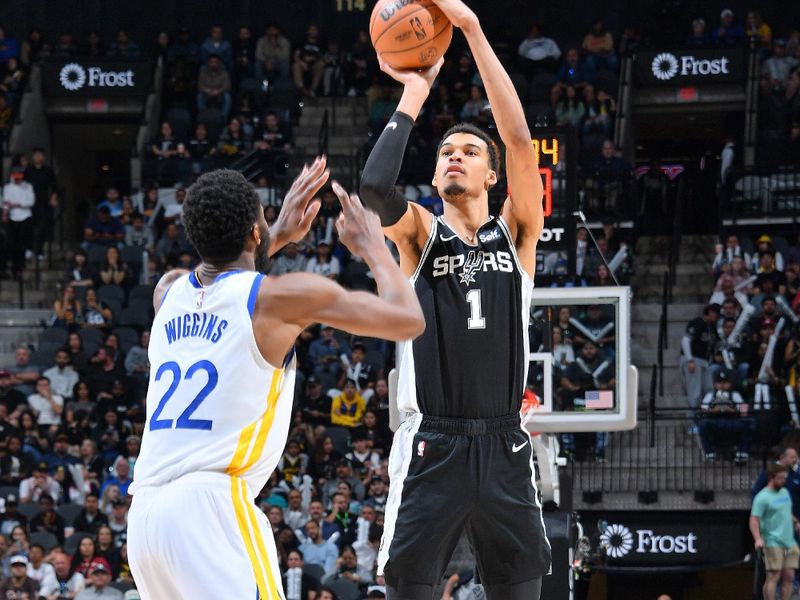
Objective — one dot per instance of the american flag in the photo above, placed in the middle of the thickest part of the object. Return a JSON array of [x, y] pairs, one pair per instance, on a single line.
[[600, 399]]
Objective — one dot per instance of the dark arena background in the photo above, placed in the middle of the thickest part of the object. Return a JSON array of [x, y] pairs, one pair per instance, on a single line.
[[668, 136]]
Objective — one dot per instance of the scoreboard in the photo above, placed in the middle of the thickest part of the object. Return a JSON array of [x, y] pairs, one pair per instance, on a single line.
[[557, 154]]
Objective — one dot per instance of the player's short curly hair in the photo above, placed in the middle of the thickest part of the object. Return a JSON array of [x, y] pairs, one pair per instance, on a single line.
[[494, 155], [220, 210]]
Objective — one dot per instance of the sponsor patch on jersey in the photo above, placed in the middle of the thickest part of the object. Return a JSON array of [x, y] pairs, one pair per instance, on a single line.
[[490, 236]]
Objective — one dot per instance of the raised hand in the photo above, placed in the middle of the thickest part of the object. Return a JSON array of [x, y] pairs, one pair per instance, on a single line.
[[460, 14], [413, 77], [298, 211], [359, 229]]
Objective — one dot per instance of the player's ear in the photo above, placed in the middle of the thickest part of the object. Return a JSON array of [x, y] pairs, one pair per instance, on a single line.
[[256, 233], [491, 178]]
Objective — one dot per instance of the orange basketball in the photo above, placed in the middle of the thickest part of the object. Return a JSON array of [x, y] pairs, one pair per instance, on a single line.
[[409, 34]]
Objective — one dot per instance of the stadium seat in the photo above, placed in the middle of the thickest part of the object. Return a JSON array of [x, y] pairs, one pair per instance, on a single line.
[[181, 121], [114, 305], [96, 254], [751, 191], [521, 85], [48, 348], [111, 292], [69, 512], [135, 315], [315, 571], [214, 121], [345, 590], [133, 257], [340, 436], [540, 87], [128, 337], [9, 490], [43, 358], [47, 540], [53, 335], [29, 509], [141, 292], [89, 335], [122, 586], [72, 542], [80, 292]]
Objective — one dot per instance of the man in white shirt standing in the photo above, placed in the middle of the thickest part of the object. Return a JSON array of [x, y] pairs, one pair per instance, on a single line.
[[18, 201], [43, 572]]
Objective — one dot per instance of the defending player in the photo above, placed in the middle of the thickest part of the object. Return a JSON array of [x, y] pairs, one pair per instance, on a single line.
[[222, 382], [461, 459]]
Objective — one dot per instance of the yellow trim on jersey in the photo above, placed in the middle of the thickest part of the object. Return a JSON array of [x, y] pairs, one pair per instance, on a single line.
[[261, 547], [266, 585], [240, 463]]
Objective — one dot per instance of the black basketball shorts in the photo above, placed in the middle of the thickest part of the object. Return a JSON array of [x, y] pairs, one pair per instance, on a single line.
[[451, 475]]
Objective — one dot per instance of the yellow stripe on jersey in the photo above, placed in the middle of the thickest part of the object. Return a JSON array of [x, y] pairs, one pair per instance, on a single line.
[[240, 462], [266, 585], [261, 548]]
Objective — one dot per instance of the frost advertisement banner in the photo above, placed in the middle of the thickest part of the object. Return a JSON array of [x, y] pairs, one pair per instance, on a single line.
[[84, 77], [669, 538], [692, 66]]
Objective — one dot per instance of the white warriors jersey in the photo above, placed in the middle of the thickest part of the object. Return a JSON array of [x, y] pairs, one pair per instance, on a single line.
[[214, 404]]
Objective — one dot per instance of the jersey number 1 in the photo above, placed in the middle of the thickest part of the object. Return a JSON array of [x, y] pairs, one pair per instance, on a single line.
[[475, 320], [184, 421]]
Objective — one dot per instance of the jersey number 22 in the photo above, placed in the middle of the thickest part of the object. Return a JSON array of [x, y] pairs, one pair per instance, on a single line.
[[184, 421]]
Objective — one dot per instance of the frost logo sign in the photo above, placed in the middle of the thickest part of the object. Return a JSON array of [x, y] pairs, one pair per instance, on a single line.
[[73, 77], [618, 541], [695, 67]]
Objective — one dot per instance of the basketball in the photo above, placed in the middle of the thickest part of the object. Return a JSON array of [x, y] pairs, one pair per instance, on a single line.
[[409, 34]]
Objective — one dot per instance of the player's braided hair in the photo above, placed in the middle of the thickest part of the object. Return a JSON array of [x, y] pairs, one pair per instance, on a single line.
[[219, 212], [494, 155]]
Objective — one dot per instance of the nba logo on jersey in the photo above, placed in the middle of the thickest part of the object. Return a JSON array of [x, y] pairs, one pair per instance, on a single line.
[[200, 297], [421, 448]]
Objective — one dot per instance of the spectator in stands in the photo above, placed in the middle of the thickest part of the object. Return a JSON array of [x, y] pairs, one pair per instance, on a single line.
[[33, 48], [570, 109], [114, 271], [139, 234], [214, 86], [697, 347], [289, 261], [764, 245], [31, 489], [539, 53], [348, 407], [234, 141], [171, 245], [69, 583], [297, 584], [48, 520], [107, 549], [19, 585], [273, 52], [5, 119], [308, 66], [15, 464], [275, 140], [773, 528], [726, 255], [124, 47], [244, 54], [728, 31], [200, 149], [45, 190], [333, 73], [47, 405], [99, 578], [758, 32], [94, 46], [165, 151], [9, 47], [475, 110], [322, 263], [41, 571], [318, 551], [96, 313], [724, 412], [725, 290], [360, 67], [778, 66], [112, 199], [67, 310], [173, 212], [610, 172], [80, 272], [18, 203], [216, 45], [103, 230], [90, 519], [25, 373], [699, 35], [599, 47], [362, 373]]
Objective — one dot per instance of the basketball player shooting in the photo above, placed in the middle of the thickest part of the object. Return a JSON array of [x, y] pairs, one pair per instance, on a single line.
[[461, 460], [222, 382]]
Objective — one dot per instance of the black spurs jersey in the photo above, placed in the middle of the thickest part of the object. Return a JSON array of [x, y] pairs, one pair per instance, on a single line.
[[471, 362]]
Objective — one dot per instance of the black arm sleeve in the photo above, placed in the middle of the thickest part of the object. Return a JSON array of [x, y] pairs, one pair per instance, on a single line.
[[382, 169]]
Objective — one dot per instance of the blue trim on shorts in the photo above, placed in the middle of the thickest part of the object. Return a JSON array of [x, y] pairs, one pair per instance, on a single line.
[[251, 300]]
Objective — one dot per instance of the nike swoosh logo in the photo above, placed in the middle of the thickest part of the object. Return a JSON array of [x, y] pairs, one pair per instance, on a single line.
[[447, 239], [516, 448], [391, 125]]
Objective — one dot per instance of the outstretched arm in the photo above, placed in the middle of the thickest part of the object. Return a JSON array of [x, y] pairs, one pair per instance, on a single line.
[[523, 209], [288, 304], [407, 225]]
